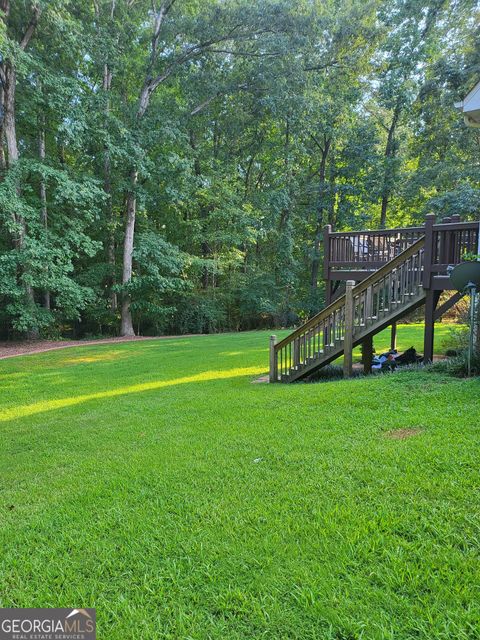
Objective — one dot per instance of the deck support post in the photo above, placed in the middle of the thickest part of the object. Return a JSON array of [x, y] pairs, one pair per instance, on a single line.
[[393, 337], [327, 230], [367, 354], [348, 336], [328, 292], [273, 377], [448, 304], [428, 251], [429, 333]]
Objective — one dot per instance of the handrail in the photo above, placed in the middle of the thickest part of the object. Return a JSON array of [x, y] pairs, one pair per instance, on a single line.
[[318, 317], [380, 232], [455, 226], [440, 226], [389, 266]]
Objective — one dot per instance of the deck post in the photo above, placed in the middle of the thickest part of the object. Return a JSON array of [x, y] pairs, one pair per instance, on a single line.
[[328, 292], [428, 255], [273, 377], [429, 332], [367, 354], [348, 336], [393, 337], [327, 230], [446, 242]]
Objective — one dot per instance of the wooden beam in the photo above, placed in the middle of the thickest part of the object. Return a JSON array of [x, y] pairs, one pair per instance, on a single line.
[[367, 354], [328, 292], [366, 265], [273, 377], [327, 230], [428, 251], [442, 283], [443, 308], [393, 336], [429, 332]]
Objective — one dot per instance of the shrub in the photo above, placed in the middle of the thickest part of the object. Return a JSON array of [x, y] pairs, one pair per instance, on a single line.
[[458, 365]]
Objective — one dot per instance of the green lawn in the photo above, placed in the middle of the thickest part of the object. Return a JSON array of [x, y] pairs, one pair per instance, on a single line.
[[153, 481], [411, 335]]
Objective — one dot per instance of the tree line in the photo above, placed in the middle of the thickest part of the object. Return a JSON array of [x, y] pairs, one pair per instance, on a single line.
[[168, 166]]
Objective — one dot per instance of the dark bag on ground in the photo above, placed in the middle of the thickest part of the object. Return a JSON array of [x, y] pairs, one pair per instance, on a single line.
[[410, 356]]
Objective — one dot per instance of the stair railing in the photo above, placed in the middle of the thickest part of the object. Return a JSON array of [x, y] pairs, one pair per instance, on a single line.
[[385, 291], [390, 288]]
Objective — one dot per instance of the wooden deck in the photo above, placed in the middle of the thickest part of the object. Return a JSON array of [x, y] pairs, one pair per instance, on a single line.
[[387, 273], [352, 255]]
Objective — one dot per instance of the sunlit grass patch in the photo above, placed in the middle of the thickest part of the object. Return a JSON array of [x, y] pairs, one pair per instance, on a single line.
[[107, 356], [50, 405]]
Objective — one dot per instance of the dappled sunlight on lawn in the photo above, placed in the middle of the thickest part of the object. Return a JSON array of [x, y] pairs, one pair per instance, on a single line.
[[98, 357], [8, 380], [231, 353], [22, 411], [248, 351], [9, 376]]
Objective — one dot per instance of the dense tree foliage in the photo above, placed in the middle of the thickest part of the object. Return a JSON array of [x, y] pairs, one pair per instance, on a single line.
[[169, 165]]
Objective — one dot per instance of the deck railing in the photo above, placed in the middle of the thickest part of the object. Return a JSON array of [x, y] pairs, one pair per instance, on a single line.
[[369, 249], [446, 243], [451, 242]]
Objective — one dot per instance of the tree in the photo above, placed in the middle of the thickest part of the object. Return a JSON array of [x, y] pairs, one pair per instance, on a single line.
[[182, 158], [19, 34]]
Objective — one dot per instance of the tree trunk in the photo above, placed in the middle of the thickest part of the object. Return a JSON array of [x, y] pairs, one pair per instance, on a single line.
[[107, 187], [205, 247], [12, 157], [3, 159], [390, 152], [320, 218], [150, 84], [43, 196], [9, 80], [9, 114], [131, 207]]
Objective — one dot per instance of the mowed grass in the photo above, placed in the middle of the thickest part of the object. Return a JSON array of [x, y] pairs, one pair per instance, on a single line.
[[153, 481], [411, 335]]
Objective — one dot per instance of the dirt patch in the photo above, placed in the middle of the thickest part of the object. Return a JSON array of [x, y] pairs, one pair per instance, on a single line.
[[402, 434], [12, 349], [261, 380]]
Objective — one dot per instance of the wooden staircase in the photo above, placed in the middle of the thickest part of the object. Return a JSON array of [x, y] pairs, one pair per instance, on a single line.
[[383, 297]]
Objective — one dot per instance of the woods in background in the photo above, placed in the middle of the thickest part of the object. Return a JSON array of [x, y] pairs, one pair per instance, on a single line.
[[168, 167]]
